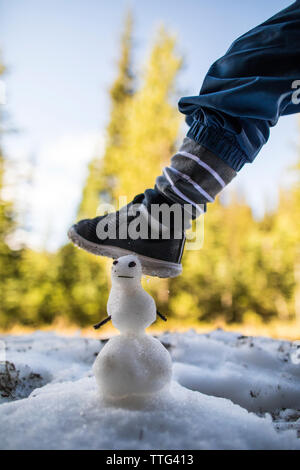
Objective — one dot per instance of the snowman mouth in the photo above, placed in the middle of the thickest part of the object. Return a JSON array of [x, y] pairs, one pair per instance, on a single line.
[[128, 277]]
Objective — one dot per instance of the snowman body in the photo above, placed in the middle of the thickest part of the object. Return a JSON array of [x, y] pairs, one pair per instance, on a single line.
[[132, 363]]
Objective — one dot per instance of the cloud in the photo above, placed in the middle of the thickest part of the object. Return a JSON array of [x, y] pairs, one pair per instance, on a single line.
[[59, 175]]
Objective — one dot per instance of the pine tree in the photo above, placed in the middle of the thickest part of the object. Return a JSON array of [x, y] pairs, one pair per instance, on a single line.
[[9, 259], [6, 214], [296, 218], [286, 255], [102, 177], [214, 283], [153, 121]]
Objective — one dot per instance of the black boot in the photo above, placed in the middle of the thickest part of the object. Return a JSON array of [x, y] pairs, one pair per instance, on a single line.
[[110, 235]]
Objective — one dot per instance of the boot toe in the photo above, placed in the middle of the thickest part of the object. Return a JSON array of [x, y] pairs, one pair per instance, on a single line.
[[83, 228]]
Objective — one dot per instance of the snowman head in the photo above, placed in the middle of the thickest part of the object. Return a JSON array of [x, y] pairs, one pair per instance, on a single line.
[[126, 270]]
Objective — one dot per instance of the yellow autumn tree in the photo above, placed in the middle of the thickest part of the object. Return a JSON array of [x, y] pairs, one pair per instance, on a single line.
[[153, 120], [103, 170]]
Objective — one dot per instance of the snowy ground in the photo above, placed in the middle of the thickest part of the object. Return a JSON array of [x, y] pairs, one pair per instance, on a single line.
[[228, 392]]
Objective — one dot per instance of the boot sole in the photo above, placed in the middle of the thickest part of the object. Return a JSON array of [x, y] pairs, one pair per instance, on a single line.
[[150, 266]]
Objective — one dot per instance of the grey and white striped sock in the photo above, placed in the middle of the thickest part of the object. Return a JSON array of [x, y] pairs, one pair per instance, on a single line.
[[195, 176]]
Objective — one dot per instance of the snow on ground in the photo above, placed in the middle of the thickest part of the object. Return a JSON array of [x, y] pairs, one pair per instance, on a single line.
[[228, 392]]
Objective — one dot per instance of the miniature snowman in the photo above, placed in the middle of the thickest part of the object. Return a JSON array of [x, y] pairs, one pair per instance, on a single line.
[[132, 363]]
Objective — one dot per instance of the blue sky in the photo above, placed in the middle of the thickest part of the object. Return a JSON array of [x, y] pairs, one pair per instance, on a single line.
[[61, 58]]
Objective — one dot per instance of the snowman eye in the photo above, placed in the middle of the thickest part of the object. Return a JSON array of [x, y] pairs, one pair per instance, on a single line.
[[132, 264], [115, 262]]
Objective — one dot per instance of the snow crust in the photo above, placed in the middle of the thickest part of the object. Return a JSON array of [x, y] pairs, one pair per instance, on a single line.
[[228, 392]]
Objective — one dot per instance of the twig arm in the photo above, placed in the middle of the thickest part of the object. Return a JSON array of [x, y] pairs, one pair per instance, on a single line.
[[161, 315], [101, 323]]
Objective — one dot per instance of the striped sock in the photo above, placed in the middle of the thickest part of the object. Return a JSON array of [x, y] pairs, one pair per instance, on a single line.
[[195, 176]]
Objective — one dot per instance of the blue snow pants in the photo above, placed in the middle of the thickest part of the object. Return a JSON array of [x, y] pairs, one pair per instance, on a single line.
[[246, 91]]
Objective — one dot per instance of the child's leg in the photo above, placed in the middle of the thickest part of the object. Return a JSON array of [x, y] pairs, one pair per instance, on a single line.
[[242, 96]]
